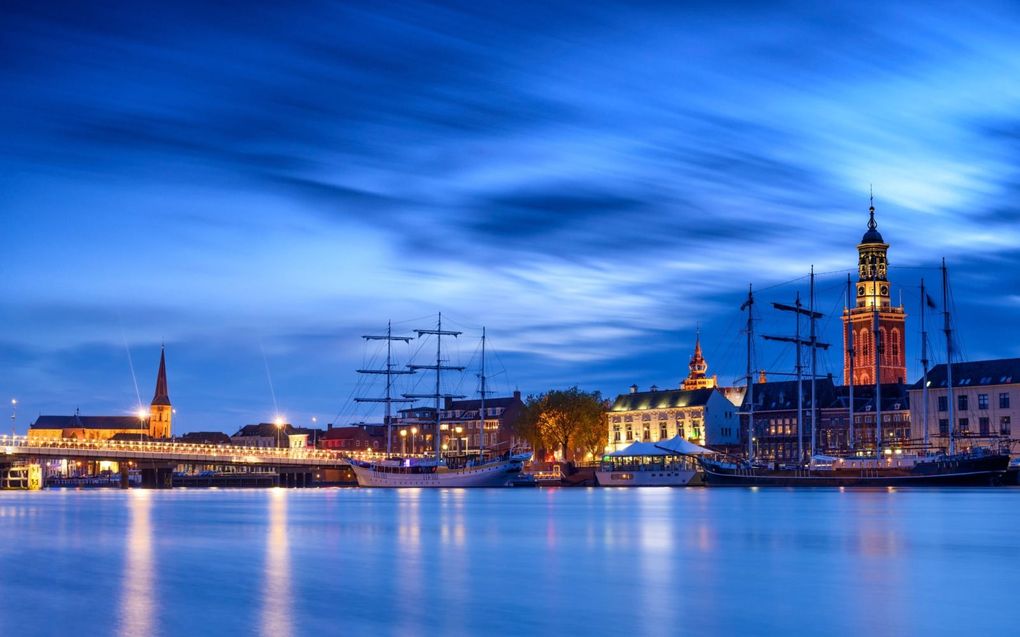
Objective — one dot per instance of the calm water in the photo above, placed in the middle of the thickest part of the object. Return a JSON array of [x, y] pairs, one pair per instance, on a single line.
[[570, 561]]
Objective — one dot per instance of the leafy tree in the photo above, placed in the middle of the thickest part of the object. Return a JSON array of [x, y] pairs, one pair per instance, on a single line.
[[568, 420]]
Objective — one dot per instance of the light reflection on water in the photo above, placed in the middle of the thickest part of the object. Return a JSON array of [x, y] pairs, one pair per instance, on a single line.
[[574, 561]]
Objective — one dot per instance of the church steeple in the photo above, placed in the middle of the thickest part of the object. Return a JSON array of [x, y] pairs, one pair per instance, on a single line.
[[698, 378], [160, 411]]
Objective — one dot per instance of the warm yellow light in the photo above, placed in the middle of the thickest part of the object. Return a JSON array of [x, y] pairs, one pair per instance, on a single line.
[[414, 430], [444, 446], [403, 433], [459, 429], [141, 414], [279, 422]]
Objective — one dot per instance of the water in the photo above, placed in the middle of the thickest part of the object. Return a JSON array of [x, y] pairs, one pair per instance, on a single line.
[[527, 561]]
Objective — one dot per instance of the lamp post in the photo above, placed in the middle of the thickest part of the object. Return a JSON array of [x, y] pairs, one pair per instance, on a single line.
[[279, 429], [403, 442], [414, 435], [458, 429], [141, 423], [14, 415]]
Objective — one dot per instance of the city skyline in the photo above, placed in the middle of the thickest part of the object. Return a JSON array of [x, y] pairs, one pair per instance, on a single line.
[[592, 186]]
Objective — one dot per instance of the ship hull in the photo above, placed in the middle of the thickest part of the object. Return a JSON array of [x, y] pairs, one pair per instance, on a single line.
[[495, 474], [978, 471], [619, 478]]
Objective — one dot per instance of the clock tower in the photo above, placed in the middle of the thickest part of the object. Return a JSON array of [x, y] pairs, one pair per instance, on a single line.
[[873, 302]]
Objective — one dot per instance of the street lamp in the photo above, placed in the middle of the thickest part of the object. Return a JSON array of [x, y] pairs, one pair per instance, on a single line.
[[403, 442], [279, 429], [14, 415], [141, 423], [414, 434], [458, 429]]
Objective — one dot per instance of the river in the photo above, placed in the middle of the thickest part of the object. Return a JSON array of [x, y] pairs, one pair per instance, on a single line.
[[695, 561]]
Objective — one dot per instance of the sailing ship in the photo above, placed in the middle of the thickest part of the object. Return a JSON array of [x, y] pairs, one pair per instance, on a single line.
[[481, 468], [976, 466]]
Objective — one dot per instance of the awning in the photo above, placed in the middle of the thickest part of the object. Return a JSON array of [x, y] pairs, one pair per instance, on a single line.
[[640, 449], [677, 445]]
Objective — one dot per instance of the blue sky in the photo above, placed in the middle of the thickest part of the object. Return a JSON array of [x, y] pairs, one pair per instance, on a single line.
[[259, 185]]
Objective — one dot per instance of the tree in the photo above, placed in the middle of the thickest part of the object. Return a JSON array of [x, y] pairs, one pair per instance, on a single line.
[[564, 419]]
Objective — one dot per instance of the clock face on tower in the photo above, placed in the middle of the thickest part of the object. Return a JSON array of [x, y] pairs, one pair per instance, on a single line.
[[885, 290], [860, 291]]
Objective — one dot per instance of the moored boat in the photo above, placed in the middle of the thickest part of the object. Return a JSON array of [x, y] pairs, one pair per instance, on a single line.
[[497, 471], [669, 463], [977, 467]]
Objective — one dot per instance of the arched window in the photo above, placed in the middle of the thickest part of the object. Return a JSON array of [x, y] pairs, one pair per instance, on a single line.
[[865, 340], [894, 345], [882, 350]]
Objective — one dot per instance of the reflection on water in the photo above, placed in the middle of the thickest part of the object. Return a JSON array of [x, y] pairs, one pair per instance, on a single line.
[[536, 561], [137, 597], [277, 599]]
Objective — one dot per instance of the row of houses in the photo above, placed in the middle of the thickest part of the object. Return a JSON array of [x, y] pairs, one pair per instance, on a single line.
[[986, 403]]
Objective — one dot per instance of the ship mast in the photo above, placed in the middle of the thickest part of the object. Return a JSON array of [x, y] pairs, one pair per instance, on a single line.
[[481, 408], [924, 367], [814, 367], [850, 353], [949, 358], [439, 333], [749, 306], [389, 372]]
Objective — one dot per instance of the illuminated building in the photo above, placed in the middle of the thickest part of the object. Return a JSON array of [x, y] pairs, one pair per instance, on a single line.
[[986, 396], [699, 411], [156, 424], [872, 297]]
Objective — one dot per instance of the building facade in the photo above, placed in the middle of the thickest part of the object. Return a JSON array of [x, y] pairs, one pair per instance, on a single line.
[[864, 346], [986, 404], [461, 427]]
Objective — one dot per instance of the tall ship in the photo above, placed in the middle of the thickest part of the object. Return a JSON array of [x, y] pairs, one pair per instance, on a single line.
[[453, 469], [872, 314]]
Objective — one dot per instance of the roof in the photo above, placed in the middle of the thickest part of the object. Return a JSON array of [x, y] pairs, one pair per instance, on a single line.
[[662, 399], [75, 421], [206, 437], [872, 235], [162, 396], [348, 433], [1001, 371], [782, 394], [894, 397], [264, 430], [677, 444]]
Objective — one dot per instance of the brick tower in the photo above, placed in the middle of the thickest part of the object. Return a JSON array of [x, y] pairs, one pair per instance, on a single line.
[[160, 412], [873, 298]]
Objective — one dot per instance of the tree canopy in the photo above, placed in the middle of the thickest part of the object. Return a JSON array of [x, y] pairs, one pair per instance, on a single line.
[[571, 420]]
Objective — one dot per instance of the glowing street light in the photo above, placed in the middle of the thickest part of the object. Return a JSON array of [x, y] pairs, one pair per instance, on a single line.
[[14, 414], [414, 444], [403, 442], [141, 422], [279, 429]]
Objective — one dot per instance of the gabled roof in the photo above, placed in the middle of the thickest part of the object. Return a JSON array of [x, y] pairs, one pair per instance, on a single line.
[[1001, 371], [75, 421], [782, 395], [894, 397], [206, 437], [663, 399], [263, 430], [348, 433]]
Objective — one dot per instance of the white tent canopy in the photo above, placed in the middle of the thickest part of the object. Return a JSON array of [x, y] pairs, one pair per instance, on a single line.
[[673, 446], [676, 444]]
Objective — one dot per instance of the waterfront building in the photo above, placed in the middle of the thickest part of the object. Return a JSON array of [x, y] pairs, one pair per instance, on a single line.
[[354, 438], [700, 411], [834, 423], [461, 426], [872, 293], [157, 424], [986, 403]]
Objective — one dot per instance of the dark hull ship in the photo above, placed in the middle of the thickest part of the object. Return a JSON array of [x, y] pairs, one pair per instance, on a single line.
[[976, 468]]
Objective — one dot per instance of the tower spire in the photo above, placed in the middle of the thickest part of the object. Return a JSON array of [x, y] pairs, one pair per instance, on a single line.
[[162, 395]]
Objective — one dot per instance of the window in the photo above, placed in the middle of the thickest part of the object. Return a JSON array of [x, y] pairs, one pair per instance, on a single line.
[[616, 435], [616, 419], [943, 403], [943, 427], [983, 425], [1004, 400], [1004, 425], [646, 417], [662, 432], [648, 435], [964, 425], [982, 401], [961, 402]]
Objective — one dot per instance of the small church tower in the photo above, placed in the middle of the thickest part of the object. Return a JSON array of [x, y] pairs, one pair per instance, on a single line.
[[698, 377], [160, 412], [873, 298]]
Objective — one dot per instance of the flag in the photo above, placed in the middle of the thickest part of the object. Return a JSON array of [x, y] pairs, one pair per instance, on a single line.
[[930, 301]]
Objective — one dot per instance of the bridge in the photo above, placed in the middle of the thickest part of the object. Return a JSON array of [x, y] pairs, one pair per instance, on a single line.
[[157, 459]]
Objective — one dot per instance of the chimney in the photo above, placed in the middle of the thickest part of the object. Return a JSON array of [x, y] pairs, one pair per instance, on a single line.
[[329, 426], [517, 394], [633, 389], [447, 403]]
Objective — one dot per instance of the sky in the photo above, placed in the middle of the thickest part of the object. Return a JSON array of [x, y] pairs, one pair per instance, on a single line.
[[256, 186]]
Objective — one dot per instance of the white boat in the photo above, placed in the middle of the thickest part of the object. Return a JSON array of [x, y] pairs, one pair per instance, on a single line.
[[411, 472], [668, 463], [481, 469]]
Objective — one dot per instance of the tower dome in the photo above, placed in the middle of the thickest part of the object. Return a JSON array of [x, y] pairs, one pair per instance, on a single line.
[[872, 235]]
